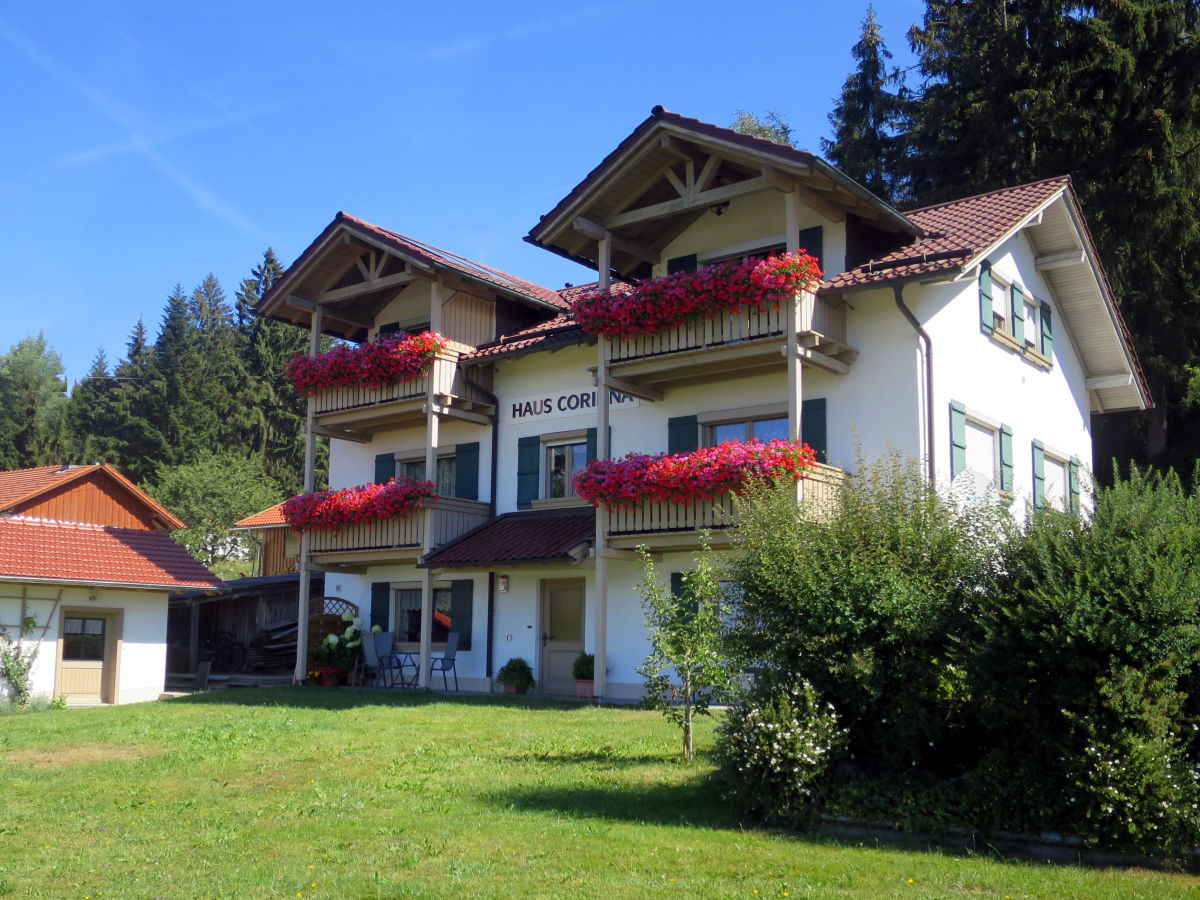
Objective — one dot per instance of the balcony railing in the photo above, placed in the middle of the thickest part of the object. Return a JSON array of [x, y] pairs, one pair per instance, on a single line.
[[816, 315], [450, 517], [819, 489], [446, 376]]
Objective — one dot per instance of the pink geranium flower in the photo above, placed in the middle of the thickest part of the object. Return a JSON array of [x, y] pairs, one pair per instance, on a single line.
[[389, 360]]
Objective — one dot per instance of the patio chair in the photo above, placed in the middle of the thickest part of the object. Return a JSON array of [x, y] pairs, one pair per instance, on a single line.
[[380, 662], [445, 663]]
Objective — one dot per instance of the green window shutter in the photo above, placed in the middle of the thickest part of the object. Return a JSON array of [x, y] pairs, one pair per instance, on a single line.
[[462, 611], [385, 468], [958, 438], [1039, 475], [381, 601], [1018, 314], [985, 299], [1047, 346], [812, 422], [812, 241], [591, 443], [466, 471], [1006, 459], [682, 264], [683, 434], [529, 468], [1073, 485], [679, 589]]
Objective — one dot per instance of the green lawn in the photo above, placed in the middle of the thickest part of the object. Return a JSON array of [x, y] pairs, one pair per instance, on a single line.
[[336, 793]]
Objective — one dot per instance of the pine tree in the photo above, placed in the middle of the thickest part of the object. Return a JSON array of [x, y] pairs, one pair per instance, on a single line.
[[92, 418], [865, 118], [32, 403]]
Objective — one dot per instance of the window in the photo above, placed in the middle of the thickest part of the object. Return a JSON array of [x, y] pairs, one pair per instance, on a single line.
[[446, 472], [1001, 305], [563, 462], [83, 639], [1032, 324], [764, 429], [397, 328], [1055, 485], [982, 451], [452, 611]]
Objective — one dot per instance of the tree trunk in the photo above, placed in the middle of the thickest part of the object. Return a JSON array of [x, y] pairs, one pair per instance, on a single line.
[[687, 720]]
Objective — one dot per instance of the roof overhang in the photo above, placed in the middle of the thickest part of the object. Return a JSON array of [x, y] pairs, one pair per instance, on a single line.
[[1067, 259], [158, 512], [124, 585], [353, 269], [672, 169]]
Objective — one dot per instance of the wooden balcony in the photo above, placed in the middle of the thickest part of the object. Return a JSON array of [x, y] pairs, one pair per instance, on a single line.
[[398, 540], [665, 526], [365, 409], [751, 340]]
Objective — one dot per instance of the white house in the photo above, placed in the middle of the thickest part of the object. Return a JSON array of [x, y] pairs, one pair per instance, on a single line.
[[978, 335], [86, 563]]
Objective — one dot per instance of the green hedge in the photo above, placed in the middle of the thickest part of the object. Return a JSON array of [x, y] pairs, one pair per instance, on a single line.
[[988, 673]]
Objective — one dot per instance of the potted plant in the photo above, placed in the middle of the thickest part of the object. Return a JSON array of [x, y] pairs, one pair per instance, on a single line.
[[516, 676], [326, 675], [583, 670]]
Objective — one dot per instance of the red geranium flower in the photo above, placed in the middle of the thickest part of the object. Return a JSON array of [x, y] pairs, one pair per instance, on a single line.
[[389, 360]]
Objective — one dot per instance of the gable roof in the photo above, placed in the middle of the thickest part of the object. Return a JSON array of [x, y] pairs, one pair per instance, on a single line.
[[21, 486], [643, 153], [329, 249], [540, 536], [270, 517], [69, 552]]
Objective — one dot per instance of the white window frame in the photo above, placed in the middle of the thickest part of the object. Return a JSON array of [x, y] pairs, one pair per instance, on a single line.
[[550, 442], [979, 420], [407, 457], [745, 415], [396, 587], [1054, 457]]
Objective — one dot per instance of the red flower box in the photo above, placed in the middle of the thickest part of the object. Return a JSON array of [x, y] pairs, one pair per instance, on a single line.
[[626, 311], [389, 360], [329, 510], [697, 475]]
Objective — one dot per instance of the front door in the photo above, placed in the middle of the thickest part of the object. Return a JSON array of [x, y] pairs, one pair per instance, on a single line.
[[562, 634], [87, 657]]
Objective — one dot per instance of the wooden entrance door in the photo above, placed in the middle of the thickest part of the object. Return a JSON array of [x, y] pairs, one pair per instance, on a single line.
[[87, 657], [562, 634]]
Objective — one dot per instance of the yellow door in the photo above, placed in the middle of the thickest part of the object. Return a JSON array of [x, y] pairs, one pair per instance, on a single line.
[[86, 654], [562, 634]]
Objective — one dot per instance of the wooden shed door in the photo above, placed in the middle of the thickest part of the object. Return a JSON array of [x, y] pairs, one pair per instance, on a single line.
[[87, 658], [562, 634]]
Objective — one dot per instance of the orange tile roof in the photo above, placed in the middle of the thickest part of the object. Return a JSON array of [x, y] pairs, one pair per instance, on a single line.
[[96, 554], [18, 483], [547, 535], [264, 519]]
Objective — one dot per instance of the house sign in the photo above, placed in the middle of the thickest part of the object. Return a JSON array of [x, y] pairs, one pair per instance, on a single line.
[[558, 405]]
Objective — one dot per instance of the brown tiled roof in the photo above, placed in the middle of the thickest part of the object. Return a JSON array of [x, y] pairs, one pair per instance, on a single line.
[[71, 552], [541, 536], [264, 519], [956, 233], [18, 486], [560, 330]]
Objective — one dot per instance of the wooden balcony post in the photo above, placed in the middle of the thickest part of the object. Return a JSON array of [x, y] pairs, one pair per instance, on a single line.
[[432, 423], [603, 451], [304, 596], [792, 324]]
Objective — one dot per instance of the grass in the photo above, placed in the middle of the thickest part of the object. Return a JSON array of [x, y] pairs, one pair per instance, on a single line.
[[335, 793]]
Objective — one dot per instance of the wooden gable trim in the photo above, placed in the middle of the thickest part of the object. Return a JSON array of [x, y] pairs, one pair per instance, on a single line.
[[155, 512]]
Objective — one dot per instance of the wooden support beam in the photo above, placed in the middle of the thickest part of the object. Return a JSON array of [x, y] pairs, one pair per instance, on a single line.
[[452, 412], [707, 173], [702, 199], [1060, 260], [778, 180], [368, 287], [1116, 380], [821, 361], [340, 315], [633, 389], [680, 188], [339, 434], [828, 209], [672, 146], [633, 248], [348, 570]]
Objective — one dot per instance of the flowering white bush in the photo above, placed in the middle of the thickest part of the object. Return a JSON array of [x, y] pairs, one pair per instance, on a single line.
[[774, 745]]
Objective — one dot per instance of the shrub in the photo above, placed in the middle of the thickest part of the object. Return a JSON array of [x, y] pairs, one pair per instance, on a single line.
[[773, 748]]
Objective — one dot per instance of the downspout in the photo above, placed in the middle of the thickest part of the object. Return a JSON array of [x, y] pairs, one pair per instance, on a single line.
[[923, 335]]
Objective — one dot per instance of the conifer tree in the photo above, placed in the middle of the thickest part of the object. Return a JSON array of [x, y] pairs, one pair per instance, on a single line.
[[32, 403], [865, 117]]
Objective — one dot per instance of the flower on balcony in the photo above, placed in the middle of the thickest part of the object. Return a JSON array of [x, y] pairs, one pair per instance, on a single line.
[[626, 311], [328, 510], [391, 359], [697, 475]]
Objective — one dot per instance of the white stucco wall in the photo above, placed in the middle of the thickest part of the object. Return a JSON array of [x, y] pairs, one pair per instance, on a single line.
[[142, 656], [993, 381]]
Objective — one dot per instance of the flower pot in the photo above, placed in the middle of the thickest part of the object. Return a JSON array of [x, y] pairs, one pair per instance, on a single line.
[[329, 680], [509, 688], [585, 689]]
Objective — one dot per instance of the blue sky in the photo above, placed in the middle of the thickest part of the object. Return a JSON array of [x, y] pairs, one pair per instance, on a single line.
[[151, 143]]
